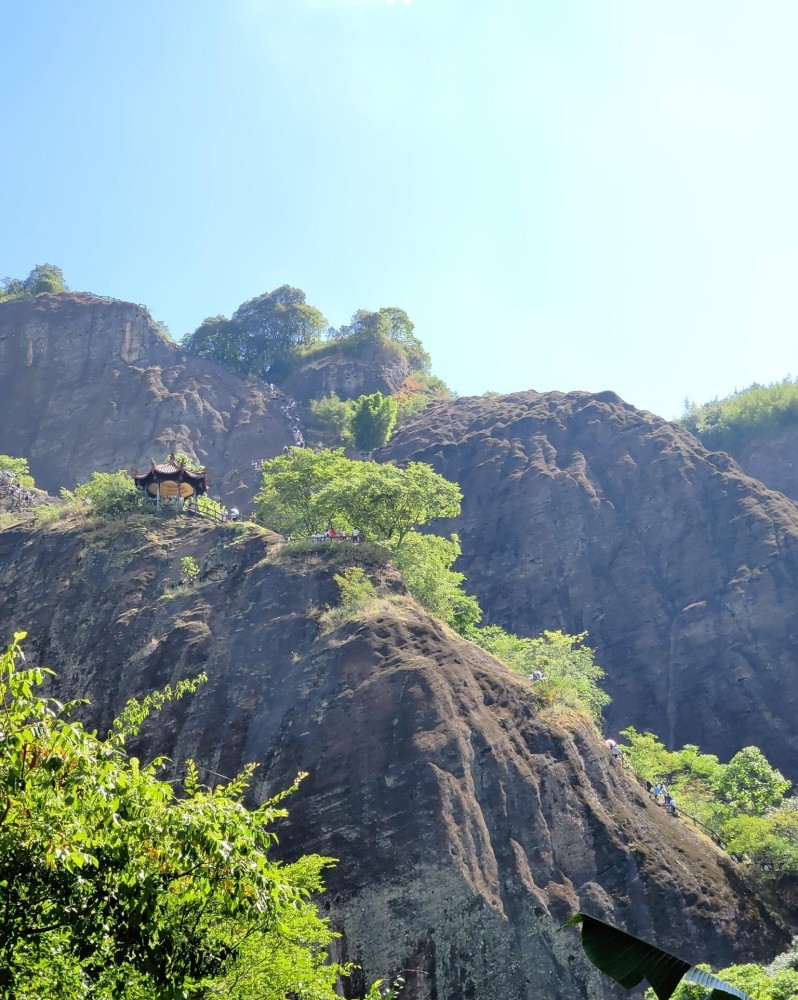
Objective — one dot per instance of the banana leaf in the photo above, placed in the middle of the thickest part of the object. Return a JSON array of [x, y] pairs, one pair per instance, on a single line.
[[629, 961]]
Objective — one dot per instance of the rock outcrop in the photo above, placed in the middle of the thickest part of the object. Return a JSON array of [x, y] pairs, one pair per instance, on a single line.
[[90, 384], [348, 374], [583, 513], [773, 459], [467, 826]]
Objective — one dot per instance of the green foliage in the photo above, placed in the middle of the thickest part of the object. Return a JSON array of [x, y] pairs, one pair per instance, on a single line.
[[45, 513], [43, 278], [425, 562], [630, 961], [208, 506], [786, 960], [757, 982], [356, 589], [357, 595], [189, 570], [115, 884], [111, 494], [294, 497], [19, 469], [742, 801], [181, 458], [303, 492], [267, 330], [388, 325], [333, 416], [571, 677], [750, 784], [373, 420], [728, 423]]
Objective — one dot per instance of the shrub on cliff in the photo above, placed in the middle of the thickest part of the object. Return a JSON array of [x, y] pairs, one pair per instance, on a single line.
[[18, 467], [111, 494]]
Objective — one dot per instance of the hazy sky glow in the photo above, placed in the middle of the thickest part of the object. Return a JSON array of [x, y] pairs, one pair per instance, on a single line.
[[570, 195]]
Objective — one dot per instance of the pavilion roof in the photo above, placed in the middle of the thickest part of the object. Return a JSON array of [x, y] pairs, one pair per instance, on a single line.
[[170, 470]]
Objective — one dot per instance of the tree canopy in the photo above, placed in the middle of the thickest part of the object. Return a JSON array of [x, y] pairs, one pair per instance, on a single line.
[[372, 421], [265, 331], [116, 884], [42, 278], [387, 325], [18, 467], [304, 492]]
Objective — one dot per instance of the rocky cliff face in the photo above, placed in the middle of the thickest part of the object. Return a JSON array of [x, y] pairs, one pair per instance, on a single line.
[[90, 384], [773, 459], [376, 369], [583, 513], [467, 826]]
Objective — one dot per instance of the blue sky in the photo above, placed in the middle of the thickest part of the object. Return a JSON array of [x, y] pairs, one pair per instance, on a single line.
[[569, 195]]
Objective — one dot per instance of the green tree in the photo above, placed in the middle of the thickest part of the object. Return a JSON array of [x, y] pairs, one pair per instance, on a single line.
[[306, 491], [388, 502], [43, 278], [18, 467], [218, 339], [111, 494], [116, 884], [333, 415], [373, 420], [750, 784], [267, 330], [425, 562], [295, 493]]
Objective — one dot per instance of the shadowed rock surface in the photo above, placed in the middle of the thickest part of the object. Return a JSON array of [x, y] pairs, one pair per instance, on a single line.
[[773, 459], [468, 826], [583, 513]]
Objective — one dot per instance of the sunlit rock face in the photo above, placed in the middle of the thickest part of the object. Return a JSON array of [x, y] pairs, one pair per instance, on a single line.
[[583, 513], [90, 384], [467, 826]]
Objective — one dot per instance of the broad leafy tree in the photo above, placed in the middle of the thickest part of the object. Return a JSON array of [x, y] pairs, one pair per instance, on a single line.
[[295, 493], [116, 884], [110, 494], [265, 331], [43, 278], [750, 784], [373, 420], [425, 562], [306, 492]]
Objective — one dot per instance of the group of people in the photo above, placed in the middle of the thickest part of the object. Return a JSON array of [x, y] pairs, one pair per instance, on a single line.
[[289, 411], [331, 535], [659, 793], [10, 486]]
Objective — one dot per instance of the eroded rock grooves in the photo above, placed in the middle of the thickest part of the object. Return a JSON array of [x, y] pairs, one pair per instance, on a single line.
[[467, 826], [583, 513]]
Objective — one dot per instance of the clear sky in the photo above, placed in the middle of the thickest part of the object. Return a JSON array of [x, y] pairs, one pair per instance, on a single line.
[[562, 195]]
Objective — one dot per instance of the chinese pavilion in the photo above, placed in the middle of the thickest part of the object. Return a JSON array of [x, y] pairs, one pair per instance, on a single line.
[[171, 481]]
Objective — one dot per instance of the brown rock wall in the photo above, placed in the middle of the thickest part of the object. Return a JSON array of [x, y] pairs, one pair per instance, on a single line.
[[467, 826], [582, 513]]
